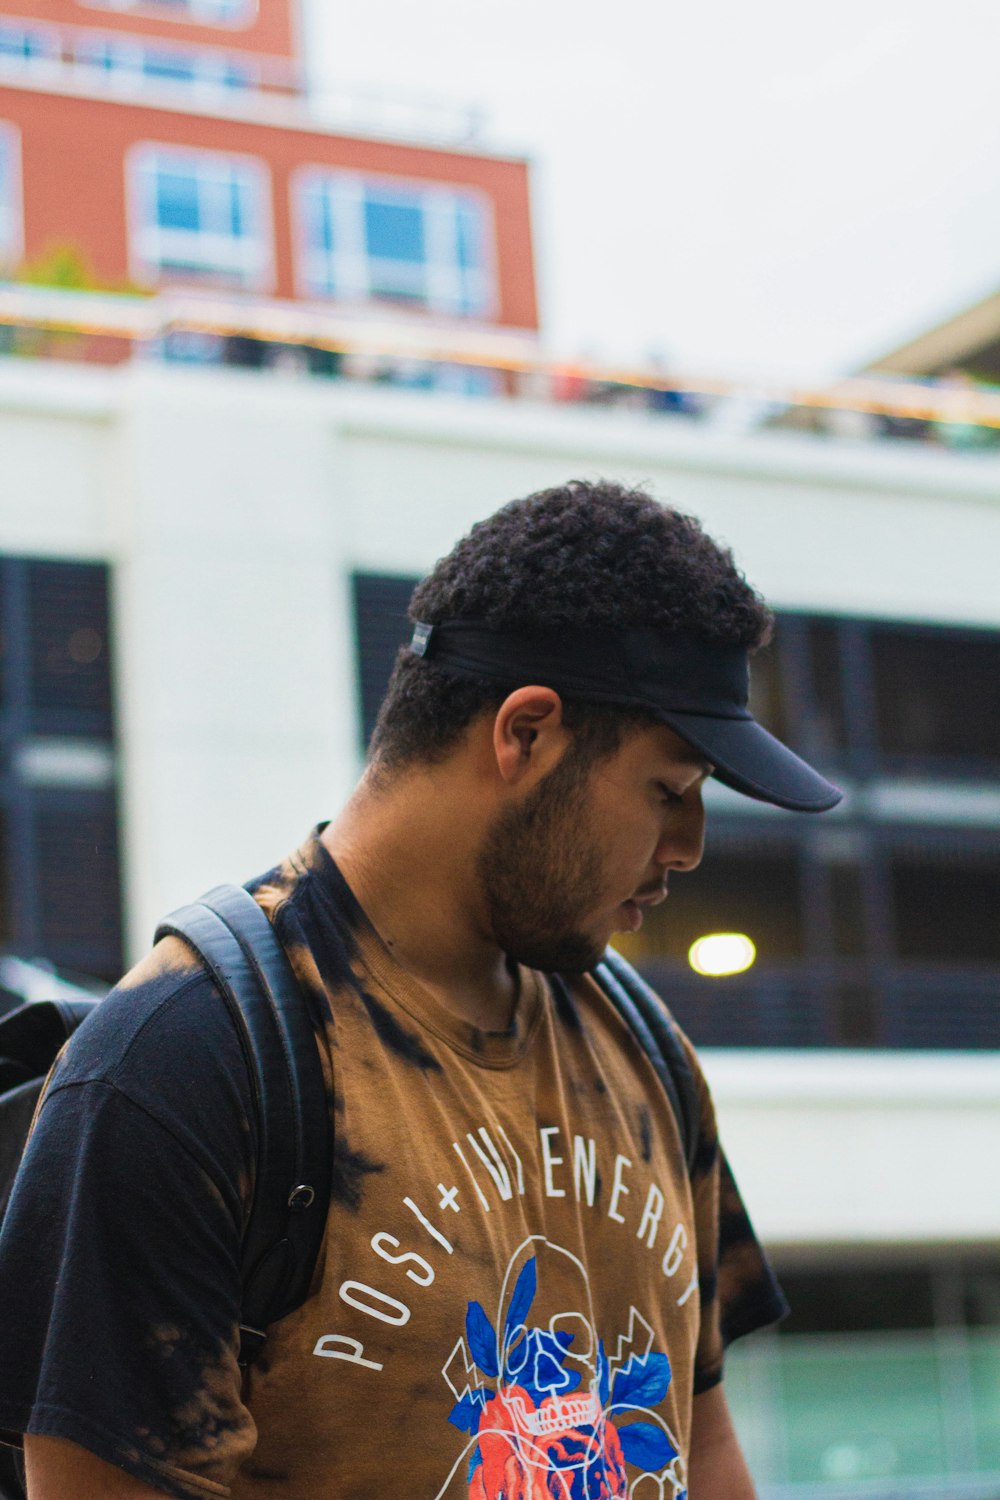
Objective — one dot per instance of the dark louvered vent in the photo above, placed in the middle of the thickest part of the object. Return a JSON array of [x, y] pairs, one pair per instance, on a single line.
[[76, 854], [6, 906], [4, 641], [937, 694], [381, 627], [69, 654]]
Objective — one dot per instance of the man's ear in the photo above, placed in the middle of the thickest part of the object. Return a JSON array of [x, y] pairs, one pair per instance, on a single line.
[[529, 736]]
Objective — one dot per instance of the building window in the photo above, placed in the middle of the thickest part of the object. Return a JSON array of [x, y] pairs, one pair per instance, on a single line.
[[205, 12], [27, 44], [130, 63], [767, 697], [69, 676], [422, 245], [200, 216], [10, 195], [381, 624], [827, 717], [937, 694], [60, 890], [945, 900]]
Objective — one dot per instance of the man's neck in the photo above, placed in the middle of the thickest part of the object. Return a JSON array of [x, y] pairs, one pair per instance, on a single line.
[[408, 851]]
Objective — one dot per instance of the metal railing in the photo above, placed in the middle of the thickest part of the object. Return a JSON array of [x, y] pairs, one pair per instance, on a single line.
[[830, 1003], [109, 328]]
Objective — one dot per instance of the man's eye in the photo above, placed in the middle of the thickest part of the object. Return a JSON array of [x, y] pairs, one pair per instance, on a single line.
[[668, 796]]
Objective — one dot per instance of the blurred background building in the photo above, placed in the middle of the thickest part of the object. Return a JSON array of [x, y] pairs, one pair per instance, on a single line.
[[257, 376]]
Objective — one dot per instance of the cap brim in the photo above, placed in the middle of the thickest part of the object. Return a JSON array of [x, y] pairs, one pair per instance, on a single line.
[[750, 760]]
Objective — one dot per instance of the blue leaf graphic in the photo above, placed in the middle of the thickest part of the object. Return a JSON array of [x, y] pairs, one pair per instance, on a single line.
[[646, 1446], [520, 1302], [476, 1459], [603, 1369], [643, 1382], [482, 1339], [467, 1413], [517, 1358], [603, 1373]]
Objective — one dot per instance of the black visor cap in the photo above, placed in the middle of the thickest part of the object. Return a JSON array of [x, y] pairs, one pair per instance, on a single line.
[[750, 760], [698, 688]]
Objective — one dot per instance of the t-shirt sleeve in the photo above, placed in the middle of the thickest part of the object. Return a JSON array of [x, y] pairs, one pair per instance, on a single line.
[[738, 1289], [120, 1249]]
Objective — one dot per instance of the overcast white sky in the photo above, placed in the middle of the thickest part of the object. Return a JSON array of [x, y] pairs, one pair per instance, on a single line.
[[776, 186]]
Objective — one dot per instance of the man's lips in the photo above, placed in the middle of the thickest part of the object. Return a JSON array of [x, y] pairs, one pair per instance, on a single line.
[[650, 898], [636, 907]]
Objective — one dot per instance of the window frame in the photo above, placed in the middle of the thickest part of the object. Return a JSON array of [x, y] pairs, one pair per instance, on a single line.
[[142, 165], [938, 765], [49, 59], [194, 12], [123, 65], [445, 197], [28, 725], [11, 203]]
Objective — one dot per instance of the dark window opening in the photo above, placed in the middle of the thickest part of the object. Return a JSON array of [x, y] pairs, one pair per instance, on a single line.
[[68, 625], [856, 1015], [767, 700], [60, 892], [872, 1299], [946, 904], [981, 1297], [937, 693], [6, 913], [76, 848], [894, 1295], [848, 910], [828, 723], [381, 602]]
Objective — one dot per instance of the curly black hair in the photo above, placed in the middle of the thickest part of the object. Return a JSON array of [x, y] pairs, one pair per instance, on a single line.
[[584, 553]]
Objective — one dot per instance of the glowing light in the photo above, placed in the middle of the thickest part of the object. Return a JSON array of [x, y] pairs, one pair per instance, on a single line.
[[722, 953]]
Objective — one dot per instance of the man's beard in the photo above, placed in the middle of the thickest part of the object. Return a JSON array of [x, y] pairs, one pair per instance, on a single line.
[[540, 871]]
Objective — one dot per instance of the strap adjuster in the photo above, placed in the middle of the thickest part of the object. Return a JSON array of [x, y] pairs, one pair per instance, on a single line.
[[421, 639]]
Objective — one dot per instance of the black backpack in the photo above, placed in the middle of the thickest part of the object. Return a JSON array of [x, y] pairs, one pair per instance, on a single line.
[[277, 1027]]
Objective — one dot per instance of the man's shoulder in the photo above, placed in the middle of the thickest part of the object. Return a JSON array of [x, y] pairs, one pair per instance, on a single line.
[[166, 1013], [164, 1044]]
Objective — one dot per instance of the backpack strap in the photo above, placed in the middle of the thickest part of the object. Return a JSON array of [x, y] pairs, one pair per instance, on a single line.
[[654, 1028], [285, 1227]]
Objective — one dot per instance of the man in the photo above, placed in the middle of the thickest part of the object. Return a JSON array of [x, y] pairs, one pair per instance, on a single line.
[[523, 1291]]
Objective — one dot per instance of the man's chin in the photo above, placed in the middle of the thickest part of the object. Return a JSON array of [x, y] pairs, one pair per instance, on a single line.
[[577, 953]]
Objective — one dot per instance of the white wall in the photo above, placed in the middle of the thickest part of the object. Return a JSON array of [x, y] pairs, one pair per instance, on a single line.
[[233, 506], [848, 1148]]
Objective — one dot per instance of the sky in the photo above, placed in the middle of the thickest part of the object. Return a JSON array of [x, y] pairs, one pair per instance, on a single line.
[[773, 187]]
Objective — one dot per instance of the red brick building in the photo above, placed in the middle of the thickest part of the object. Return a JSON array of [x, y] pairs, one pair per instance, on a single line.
[[171, 142]]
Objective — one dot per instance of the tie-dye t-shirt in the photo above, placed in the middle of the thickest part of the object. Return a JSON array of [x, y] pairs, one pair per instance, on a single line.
[[521, 1287]]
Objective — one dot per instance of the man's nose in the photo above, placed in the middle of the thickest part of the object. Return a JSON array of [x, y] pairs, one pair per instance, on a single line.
[[682, 843]]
